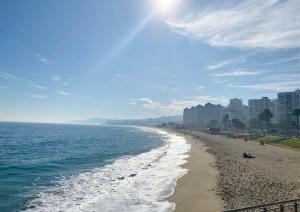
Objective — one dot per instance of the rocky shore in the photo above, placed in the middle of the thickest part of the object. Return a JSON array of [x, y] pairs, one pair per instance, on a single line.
[[274, 175]]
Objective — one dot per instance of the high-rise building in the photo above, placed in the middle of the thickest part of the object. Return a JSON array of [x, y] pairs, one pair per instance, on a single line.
[[213, 113], [201, 116], [256, 106], [190, 116], [236, 110], [287, 102], [275, 111]]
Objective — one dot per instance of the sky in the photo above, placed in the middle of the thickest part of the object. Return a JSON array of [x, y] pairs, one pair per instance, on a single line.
[[63, 60]]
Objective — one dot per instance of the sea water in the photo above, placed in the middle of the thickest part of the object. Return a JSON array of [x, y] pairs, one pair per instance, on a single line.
[[47, 167]]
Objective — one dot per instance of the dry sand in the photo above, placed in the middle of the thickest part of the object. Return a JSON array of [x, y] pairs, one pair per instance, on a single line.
[[217, 171]]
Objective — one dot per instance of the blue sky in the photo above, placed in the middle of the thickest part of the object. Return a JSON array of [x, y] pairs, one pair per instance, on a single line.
[[73, 59]]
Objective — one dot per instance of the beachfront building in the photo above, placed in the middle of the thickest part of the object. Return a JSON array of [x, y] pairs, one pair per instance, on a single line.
[[202, 116], [190, 117], [257, 106], [287, 102], [275, 118], [213, 113], [236, 110]]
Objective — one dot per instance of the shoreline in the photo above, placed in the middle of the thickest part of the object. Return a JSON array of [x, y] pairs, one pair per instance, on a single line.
[[197, 190]]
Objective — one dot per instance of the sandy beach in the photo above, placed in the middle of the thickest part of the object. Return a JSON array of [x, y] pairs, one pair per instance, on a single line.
[[219, 178], [196, 191]]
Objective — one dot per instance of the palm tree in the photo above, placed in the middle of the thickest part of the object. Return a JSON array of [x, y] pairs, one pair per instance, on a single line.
[[297, 114], [225, 121], [266, 116], [238, 124]]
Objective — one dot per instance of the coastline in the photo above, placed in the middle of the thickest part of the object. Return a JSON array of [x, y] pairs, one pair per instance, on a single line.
[[197, 190]]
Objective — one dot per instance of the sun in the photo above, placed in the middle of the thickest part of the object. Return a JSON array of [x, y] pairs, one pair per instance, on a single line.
[[164, 7]]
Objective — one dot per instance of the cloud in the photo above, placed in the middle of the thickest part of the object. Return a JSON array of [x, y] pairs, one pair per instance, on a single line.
[[283, 60], [171, 75], [168, 89], [132, 103], [67, 82], [267, 24], [40, 87], [39, 96], [272, 86], [176, 106], [237, 73], [43, 59], [56, 78], [63, 93], [8, 76], [200, 87], [224, 63]]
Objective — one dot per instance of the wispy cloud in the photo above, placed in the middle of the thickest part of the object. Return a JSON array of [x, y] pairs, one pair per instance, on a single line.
[[176, 106], [63, 93], [119, 75], [8, 76], [168, 89], [275, 83], [237, 73], [267, 24], [200, 87], [224, 63], [67, 82], [56, 78], [132, 103], [170, 74], [40, 87], [35, 96], [283, 60], [43, 59], [271, 86]]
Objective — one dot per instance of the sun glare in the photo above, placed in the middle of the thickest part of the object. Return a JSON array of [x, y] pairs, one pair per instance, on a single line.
[[164, 7]]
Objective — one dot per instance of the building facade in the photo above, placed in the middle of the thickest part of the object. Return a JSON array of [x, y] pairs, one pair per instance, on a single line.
[[202, 116], [257, 106], [236, 110], [287, 103]]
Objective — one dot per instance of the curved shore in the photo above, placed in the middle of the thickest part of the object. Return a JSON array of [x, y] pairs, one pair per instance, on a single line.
[[196, 191], [274, 175]]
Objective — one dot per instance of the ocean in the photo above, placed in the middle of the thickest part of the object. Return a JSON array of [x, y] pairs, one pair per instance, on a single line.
[[52, 167]]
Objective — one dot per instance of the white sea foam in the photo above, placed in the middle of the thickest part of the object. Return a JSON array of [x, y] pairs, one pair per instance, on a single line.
[[132, 183]]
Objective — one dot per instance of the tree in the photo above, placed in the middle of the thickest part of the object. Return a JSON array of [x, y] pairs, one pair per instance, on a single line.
[[238, 124], [225, 121], [266, 116], [296, 113], [254, 123]]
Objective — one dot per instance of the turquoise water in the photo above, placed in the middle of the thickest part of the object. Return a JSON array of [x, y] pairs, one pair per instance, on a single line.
[[37, 157]]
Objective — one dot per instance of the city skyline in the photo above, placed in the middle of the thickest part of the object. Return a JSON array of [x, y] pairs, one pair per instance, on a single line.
[[141, 59]]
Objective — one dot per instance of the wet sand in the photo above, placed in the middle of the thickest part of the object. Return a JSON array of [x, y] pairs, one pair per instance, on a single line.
[[196, 191]]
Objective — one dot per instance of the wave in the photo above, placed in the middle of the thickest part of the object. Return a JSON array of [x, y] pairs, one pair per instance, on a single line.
[[131, 183]]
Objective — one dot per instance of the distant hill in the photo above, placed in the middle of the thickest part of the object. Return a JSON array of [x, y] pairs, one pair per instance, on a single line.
[[147, 122], [99, 121]]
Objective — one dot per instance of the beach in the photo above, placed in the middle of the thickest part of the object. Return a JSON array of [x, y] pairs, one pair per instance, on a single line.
[[220, 178]]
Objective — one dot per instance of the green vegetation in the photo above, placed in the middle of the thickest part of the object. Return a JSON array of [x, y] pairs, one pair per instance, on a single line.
[[292, 142], [268, 139], [297, 114], [266, 116], [238, 124]]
